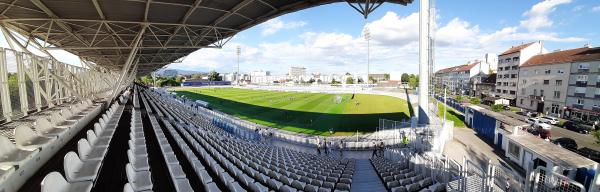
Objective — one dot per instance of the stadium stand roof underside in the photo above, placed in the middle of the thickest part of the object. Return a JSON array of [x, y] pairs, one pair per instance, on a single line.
[[159, 32]]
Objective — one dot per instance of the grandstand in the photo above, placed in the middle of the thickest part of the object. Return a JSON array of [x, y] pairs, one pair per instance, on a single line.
[[67, 128]]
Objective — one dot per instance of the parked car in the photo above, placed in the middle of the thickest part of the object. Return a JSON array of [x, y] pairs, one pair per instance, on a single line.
[[566, 143], [549, 120], [577, 127], [543, 126], [532, 120], [523, 113], [531, 114]]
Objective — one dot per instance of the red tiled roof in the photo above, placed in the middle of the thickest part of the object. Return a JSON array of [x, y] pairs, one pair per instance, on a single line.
[[516, 49], [464, 67], [566, 56]]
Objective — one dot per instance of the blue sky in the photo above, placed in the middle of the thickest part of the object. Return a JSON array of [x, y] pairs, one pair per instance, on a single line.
[[328, 39]]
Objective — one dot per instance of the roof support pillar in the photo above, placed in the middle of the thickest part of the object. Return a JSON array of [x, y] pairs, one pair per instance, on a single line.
[[129, 61], [424, 57]]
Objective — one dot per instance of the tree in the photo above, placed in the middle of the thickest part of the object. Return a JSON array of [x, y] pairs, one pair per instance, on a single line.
[[319, 81], [197, 76], [311, 80], [349, 80], [179, 79], [214, 76], [372, 80], [404, 78], [146, 80], [386, 76], [475, 101], [359, 80], [347, 73], [498, 108]]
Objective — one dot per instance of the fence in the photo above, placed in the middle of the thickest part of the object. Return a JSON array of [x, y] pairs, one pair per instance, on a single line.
[[458, 106], [30, 83]]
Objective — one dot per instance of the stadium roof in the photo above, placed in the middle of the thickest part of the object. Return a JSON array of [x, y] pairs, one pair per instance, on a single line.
[[105, 32]]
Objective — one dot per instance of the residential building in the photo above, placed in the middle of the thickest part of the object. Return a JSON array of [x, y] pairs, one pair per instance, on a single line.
[[508, 68], [483, 86], [377, 77], [542, 84], [457, 79], [260, 77], [297, 71], [583, 94]]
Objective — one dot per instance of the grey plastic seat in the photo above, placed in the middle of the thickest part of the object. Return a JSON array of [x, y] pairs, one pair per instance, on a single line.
[[87, 152], [176, 171], [10, 155], [342, 186], [183, 185], [139, 180], [55, 182], [77, 170], [212, 187], [28, 140]]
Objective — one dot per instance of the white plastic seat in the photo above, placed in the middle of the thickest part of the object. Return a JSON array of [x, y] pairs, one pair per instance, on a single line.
[[139, 180], [59, 121], [95, 141], [10, 155], [28, 140], [43, 126], [4, 173], [139, 163], [77, 170], [55, 182], [87, 152], [100, 132]]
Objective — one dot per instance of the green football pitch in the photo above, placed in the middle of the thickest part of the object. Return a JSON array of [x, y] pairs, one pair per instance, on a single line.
[[308, 113]]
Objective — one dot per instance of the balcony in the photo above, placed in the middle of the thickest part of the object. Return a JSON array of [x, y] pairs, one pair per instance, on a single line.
[[581, 83], [597, 96], [597, 84], [583, 70], [534, 97], [596, 109], [577, 106], [579, 95]]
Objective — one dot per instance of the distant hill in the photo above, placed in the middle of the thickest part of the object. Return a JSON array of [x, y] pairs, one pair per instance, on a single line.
[[179, 72]]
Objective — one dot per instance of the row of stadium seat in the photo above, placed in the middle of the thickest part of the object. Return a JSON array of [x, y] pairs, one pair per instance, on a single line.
[[403, 176], [26, 146], [138, 168], [275, 168], [81, 169]]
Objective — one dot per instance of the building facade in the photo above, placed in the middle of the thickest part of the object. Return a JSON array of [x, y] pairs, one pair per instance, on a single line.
[[297, 71], [583, 94], [457, 79], [508, 68], [542, 84]]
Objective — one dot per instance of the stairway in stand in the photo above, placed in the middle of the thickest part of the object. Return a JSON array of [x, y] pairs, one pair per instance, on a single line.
[[365, 178]]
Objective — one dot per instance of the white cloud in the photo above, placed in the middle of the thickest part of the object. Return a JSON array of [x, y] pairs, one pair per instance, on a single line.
[[274, 25], [394, 45], [537, 16], [596, 9]]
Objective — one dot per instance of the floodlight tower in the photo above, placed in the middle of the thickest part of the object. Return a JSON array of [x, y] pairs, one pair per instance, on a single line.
[[367, 34], [238, 52]]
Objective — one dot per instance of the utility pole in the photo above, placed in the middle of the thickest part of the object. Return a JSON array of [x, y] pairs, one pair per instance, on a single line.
[[238, 52], [368, 38]]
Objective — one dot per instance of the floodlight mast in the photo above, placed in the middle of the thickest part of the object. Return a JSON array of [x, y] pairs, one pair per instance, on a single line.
[[238, 52], [368, 38]]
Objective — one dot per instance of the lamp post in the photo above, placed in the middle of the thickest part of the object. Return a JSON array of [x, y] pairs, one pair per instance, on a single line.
[[238, 52], [368, 38]]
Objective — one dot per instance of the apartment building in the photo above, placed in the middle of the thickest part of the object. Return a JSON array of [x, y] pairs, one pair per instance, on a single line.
[[457, 79], [583, 94], [508, 68], [543, 82]]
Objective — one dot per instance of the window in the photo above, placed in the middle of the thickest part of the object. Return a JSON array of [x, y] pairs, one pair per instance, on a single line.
[[531, 103], [547, 71], [556, 94], [505, 75], [512, 92], [499, 83], [515, 59], [499, 68], [535, 71], [597, 91], [558, 82], [507, 68], [580, 101], [524, 81], [507, 60], [513, 76], [514, 150], [542, 92], [504, 91], [546, 82], [560, 71], [514, 67], [535, 92], [522, 92], [498, 91], [521, 101]]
